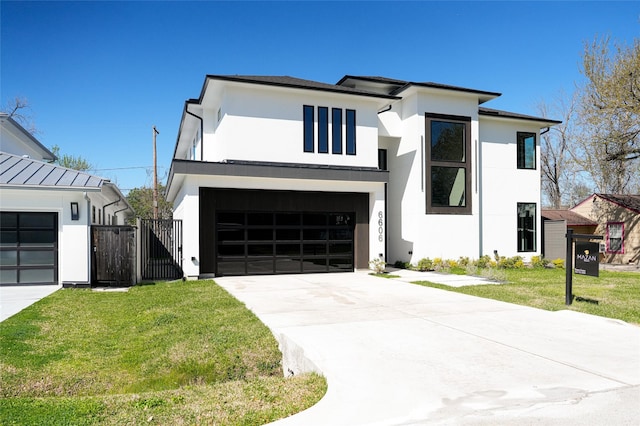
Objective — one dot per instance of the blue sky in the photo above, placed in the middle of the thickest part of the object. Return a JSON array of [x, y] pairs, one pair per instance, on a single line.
[[99, 75]]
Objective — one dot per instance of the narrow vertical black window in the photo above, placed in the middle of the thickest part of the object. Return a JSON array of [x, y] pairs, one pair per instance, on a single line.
[[336, 131], [308, 128], [526, 150], [382, 159], [527, 235], [351, 132], [323, 129]]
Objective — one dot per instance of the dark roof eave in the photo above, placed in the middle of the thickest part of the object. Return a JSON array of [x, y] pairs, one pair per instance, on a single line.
[[489, 112], [431, 85], [295, 83]]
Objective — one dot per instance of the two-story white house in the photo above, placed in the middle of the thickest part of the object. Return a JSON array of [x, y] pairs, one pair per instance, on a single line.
[[278, 175]]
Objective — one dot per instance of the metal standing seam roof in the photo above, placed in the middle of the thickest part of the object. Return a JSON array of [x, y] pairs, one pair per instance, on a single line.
[[16, 171]]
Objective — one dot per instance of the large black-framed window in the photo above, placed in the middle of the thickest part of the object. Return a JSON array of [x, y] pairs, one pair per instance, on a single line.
[[351, 132], [28, 248], [526, 150], [307, 116], [448, 164], [336, 130], [527, 233], [323, 130]]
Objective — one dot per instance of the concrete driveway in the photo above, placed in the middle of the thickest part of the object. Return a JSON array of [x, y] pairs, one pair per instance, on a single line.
[[395, 353], [13, 299]]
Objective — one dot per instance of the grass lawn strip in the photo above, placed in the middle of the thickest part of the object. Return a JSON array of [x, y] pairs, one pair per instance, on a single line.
[[617, 293], [72, 350]]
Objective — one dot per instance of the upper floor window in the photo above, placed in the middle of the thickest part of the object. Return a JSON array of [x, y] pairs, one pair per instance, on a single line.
[[308, 128], [351, 132], [323, 131], [526, 150], [527, 234], [448, 164], [336, 131], [615, 237]]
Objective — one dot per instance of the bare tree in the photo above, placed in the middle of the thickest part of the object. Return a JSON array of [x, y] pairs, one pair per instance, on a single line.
[[558, 169], [20, 110], [608, 147]]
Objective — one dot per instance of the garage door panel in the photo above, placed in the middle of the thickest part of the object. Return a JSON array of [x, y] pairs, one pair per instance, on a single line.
[[28, 248], [283, 242]]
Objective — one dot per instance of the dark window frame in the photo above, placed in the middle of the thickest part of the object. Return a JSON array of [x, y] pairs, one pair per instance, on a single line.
[[351, 125], [431, 164], [522, 246], [308, 128], [521, 149], [336, 131], [323, 130]]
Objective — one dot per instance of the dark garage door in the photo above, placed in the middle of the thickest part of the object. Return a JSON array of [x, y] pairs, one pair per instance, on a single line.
[[28, 248], [283, 242], [246, 232]]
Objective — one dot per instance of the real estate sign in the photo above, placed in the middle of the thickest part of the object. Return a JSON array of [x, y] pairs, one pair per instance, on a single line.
[[587, 258]]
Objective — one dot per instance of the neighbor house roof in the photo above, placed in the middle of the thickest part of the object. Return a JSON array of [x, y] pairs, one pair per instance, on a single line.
[[572, 218], [23, 172], [630, 202], [20, 132]]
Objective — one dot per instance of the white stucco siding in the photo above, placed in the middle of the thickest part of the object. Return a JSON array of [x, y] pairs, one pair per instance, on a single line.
[[73, 236], [260, 124], [414, 234], [187, 209], [504, 185]]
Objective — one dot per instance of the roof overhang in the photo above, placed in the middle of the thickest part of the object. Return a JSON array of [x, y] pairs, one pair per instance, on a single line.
[[181, 168], [506, 115]]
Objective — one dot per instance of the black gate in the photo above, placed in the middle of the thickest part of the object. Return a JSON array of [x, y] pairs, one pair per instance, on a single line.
[[161, 249], [113, 255]]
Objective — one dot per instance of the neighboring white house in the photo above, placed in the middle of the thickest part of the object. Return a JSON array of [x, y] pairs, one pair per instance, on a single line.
[[284, 175], [46, 213]]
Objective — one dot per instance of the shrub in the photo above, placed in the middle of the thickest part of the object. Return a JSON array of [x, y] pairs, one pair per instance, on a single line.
[[510, 262], [377, 265], [425, 264], [464, 261], [438, 264], [558, 263], [483, 262], [452, 263], [539, 262], [494, 274]]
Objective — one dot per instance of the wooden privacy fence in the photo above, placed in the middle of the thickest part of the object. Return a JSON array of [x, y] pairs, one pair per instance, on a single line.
[[160, 249], [113, 255]]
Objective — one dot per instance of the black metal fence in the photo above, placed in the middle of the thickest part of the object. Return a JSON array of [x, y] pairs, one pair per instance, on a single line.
[[161, 249]]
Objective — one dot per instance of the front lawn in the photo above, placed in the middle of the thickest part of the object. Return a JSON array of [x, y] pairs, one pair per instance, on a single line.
[[170, 353], [612, 295]]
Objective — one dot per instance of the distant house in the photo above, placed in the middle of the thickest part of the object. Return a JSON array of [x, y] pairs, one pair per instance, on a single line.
[[618, 219], [276, 174], [555, 223], [46, 213]]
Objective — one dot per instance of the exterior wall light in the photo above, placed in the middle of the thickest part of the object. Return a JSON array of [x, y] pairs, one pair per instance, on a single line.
[[75, 212]]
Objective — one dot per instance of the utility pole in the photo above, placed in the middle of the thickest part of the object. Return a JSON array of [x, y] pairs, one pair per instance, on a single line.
[[155, 175]]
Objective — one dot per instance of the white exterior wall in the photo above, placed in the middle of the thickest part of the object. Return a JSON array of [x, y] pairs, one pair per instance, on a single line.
[[413, 234], [265, 124], [73, 236], [504, 185]]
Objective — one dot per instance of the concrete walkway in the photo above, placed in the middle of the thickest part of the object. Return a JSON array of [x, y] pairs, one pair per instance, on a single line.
[[13, 299], [396, 353]]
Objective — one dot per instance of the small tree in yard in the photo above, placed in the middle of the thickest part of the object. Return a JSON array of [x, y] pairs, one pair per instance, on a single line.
[[141, 200]]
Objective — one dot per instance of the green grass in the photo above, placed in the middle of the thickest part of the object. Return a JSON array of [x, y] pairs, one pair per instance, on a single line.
[[180, 353], [617, 293]]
